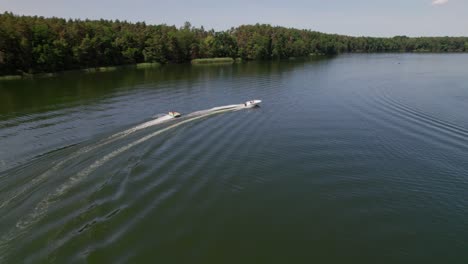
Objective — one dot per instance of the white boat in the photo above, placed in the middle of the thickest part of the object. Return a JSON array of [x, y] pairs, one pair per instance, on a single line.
[[252, 103], [174, 114]]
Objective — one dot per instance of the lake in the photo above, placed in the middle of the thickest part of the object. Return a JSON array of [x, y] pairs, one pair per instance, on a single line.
[[350, 159]]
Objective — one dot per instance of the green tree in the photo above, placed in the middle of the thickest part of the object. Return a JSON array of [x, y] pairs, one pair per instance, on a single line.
[[37, 44]]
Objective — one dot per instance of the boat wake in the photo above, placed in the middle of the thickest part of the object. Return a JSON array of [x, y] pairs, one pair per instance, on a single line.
[[40, 210]]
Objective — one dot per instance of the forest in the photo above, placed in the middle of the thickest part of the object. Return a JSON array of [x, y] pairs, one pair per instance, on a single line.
[[33, 44]]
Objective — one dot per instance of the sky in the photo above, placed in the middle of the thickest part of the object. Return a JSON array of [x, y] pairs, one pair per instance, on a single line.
[[380, 18]]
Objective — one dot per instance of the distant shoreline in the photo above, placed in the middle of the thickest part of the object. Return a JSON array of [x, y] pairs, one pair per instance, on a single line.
[[85, 70], [31, 44], [195, 62]]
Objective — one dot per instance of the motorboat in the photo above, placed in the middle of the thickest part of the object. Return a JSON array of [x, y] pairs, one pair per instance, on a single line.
[[174, 114], [252, 103]]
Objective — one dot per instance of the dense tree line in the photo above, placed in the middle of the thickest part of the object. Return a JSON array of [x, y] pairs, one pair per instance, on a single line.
[[36, 44]]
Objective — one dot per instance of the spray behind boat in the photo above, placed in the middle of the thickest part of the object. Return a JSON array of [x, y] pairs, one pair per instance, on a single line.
[[41, 210], [248, 104]]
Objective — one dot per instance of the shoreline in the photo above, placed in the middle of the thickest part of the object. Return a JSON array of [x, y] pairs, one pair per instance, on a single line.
[[139, 66], [194, 62]]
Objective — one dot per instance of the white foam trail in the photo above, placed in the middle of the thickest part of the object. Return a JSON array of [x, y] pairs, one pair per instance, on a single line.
[[214, 109], [150, 123], [159, 120], [37, 180], [42, 207]]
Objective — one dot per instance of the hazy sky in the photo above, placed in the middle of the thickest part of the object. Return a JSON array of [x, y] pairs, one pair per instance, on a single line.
[[351, 17]]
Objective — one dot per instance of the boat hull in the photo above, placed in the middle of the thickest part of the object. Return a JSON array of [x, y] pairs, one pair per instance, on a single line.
[[252, 103]]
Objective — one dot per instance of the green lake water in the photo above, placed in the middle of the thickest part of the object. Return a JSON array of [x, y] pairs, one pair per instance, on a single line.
[[350, 159]]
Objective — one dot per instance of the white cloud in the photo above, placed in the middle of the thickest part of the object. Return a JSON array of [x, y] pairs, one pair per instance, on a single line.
[[439, 2]]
